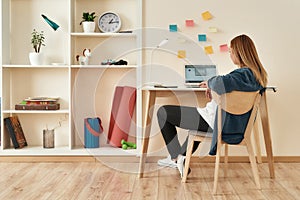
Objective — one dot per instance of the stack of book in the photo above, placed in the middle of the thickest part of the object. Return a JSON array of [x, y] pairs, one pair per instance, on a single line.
[[39, 103]]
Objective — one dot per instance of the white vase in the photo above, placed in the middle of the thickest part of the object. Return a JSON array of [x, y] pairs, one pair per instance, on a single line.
[[88, 27], [36, 58]]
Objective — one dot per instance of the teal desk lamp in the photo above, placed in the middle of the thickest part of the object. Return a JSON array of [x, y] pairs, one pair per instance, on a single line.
[[51, 23]]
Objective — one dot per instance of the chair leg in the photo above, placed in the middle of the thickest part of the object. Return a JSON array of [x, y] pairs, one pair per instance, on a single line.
[[216, 176], [226, 160], [188, 159], [253, 163], [257, 142]]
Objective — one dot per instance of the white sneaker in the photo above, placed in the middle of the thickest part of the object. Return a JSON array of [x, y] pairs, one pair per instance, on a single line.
[[180, 164], [167, 162]]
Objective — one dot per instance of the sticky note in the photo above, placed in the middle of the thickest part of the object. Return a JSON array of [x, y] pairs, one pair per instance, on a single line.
[[223, 47], [213, 29], [201, 37], [208, 50], [206, 15], [189, 22], [173, 27], [181, 54]]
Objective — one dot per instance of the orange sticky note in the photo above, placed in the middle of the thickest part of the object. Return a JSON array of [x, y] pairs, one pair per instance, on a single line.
[[223, 47], [206, 15], [181, 54], [189, 22], [208, 50]]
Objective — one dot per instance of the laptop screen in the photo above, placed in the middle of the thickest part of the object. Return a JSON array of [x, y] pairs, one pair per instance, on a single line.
[[199, 73]]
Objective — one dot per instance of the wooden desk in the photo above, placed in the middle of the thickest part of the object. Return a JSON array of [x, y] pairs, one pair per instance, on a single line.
[[154, 93]]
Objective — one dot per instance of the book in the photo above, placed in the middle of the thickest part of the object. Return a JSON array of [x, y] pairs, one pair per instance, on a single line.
[[15, 131], [55, 106], [121, 114]]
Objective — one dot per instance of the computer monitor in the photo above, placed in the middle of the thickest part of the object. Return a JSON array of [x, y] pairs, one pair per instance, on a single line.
[[195, 74]]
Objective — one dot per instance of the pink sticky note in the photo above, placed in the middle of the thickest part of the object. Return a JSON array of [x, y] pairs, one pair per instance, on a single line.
[[189, 22], [223, 47]]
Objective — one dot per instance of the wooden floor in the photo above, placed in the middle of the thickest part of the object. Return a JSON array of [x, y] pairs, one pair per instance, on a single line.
[[92, 180]]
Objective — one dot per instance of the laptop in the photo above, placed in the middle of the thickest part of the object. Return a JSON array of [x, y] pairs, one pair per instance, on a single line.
[[195, 74]]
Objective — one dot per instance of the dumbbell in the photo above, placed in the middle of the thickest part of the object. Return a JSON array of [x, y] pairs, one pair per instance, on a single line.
[[125, 144]]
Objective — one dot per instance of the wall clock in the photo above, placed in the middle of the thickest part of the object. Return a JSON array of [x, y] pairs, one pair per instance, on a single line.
[[109, 22]]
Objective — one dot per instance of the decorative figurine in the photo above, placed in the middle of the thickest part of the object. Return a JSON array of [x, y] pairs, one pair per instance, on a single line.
[[84, 59]]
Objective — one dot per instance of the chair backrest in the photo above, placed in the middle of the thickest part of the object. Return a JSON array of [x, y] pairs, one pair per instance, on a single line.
[[237, 103]]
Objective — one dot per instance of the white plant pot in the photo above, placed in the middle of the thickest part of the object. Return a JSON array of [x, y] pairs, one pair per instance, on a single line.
[[36, 58], [88, 27]]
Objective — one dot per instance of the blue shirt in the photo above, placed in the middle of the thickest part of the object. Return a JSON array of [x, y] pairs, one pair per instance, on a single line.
[[241, 79]]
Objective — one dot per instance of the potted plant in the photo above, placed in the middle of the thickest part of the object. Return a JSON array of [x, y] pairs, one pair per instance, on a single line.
[[37, 41], [88, 22]]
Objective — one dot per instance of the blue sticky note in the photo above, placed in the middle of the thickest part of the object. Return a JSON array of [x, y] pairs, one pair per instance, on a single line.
[[201, 37], [173, 28]]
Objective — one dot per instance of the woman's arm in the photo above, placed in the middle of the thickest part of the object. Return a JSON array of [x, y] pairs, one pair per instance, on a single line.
[[241, 79]]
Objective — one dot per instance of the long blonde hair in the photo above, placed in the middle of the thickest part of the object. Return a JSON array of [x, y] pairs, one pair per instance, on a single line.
[[243, 47]]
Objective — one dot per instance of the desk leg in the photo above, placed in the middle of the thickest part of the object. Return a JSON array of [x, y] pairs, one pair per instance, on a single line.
[[147, 130], [267, 135]]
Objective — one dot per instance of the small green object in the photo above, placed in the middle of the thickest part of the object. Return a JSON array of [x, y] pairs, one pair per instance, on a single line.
[[124, 146], [88, 17], [128, 144], [23, 102]]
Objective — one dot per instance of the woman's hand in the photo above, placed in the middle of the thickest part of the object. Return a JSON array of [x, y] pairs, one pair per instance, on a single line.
[[203, 84], [208, 94], [208, 91]]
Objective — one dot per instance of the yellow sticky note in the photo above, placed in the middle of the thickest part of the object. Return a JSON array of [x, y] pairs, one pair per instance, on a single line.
[[213, 29], [206, 15], [208, 50], [181, 54]]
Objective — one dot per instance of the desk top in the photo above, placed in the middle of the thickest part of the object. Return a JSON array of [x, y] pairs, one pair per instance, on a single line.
[[179, 88], [183, 88]]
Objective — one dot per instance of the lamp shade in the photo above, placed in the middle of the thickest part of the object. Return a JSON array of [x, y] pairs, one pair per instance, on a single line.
[[162, 43], [51, 23]]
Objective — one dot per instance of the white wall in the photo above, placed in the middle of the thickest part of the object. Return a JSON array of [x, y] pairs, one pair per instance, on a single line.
[[274, 27]]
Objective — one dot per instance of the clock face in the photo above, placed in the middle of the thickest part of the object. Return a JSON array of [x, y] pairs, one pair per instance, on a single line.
[[109, 22]]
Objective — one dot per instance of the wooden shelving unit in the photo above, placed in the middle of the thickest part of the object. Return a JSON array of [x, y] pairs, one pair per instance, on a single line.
[[60, 75]]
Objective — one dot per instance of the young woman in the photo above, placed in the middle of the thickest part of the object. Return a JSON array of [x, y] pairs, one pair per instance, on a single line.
[[250, 76]]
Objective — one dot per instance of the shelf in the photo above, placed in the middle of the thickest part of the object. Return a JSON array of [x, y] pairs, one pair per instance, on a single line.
[[105, 151], [66, 151], [104, 66], [36, 151], [63, 111], [84, 90], [103, 34], [34, 66]]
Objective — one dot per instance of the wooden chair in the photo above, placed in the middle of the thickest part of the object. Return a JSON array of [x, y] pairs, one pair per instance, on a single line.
[[237, 103]]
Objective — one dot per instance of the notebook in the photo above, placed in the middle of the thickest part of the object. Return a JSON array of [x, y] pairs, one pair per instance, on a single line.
[[195, 74]]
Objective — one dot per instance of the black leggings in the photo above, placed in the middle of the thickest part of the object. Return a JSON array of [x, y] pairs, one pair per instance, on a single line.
[[171, 116]]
